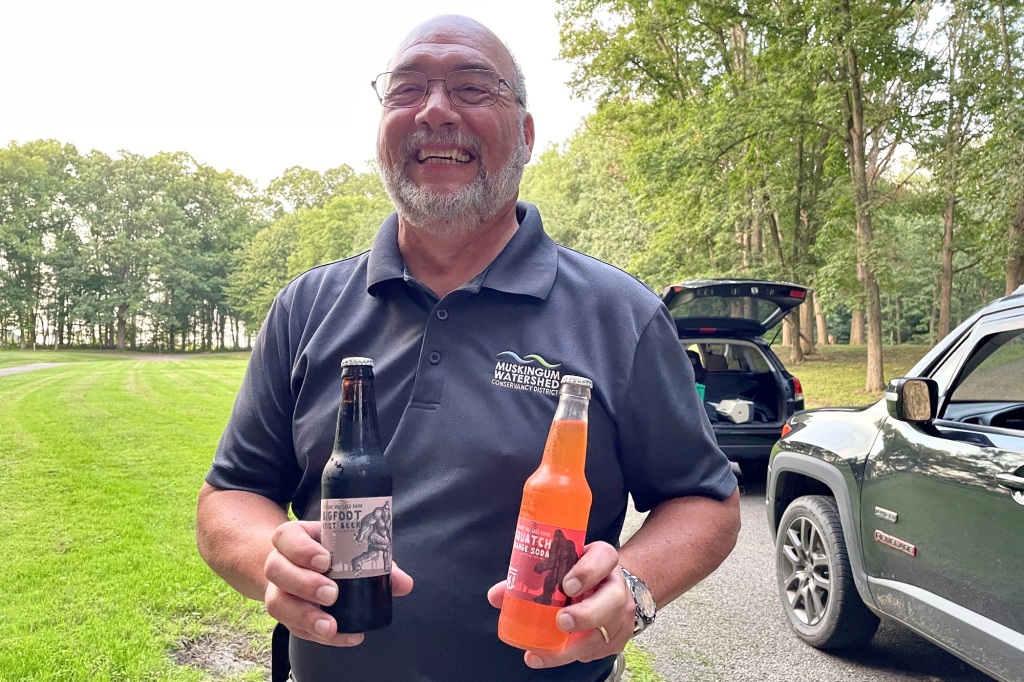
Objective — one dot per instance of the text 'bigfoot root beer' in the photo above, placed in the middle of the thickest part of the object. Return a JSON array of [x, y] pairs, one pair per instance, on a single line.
[[355, 507], [552, 528]]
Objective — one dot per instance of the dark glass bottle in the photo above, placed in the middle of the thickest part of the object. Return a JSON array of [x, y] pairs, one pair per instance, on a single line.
[[355, 508]]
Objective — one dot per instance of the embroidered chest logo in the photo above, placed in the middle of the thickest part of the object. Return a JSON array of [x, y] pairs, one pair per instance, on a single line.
[[532, 373]]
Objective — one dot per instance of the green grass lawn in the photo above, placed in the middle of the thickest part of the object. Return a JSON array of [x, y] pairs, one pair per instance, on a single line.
[[100, 463], [836, 375]]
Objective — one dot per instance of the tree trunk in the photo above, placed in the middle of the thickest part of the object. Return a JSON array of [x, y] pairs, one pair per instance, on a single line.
[[946, 268], [1015, 263], [806, 311], [856, 140], [122, 327], [796, 347], [857, 327], [819, 316]]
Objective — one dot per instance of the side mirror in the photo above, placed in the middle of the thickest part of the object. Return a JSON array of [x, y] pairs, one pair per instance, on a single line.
[[912, 400]]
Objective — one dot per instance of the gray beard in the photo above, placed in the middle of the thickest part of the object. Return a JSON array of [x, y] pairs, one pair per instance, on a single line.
[[452, 213]]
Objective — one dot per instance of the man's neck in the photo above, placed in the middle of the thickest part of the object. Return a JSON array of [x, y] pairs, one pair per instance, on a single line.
[[444, 263]]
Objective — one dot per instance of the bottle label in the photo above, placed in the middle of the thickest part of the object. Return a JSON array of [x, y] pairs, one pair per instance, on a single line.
[[541, 556], [357, 533]]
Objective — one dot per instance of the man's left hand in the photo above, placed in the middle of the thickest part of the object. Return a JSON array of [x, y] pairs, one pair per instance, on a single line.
[[599, 597]]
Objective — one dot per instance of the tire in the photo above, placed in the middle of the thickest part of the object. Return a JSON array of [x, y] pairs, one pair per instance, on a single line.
[[815, 582], [754, 470]]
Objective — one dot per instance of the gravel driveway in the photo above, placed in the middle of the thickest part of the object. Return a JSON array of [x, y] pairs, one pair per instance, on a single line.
[[731, 627]]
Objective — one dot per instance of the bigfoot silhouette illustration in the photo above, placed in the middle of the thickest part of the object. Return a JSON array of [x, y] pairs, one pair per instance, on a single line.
[[375, 530], [561, 557]]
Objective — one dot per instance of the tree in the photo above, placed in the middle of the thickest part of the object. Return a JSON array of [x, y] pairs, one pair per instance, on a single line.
[[35, 181], [300, 187], [581, 188], [120, 209]]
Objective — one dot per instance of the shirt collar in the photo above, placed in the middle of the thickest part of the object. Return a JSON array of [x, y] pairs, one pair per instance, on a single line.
[[527, 265]]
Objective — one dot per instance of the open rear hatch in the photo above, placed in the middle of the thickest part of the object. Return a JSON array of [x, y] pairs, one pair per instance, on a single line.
[[733, 307]]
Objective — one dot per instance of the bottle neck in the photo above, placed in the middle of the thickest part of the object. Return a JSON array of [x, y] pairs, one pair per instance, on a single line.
[[357, 431], [566, 448]]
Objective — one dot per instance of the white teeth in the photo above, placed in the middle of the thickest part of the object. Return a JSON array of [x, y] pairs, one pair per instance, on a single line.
[[443, 156]]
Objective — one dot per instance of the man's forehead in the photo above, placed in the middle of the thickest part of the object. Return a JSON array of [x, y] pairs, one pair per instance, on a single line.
[[461, 41]]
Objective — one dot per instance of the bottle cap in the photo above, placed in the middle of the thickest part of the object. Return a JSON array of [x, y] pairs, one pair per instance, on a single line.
[[357, 362], [577, 381]]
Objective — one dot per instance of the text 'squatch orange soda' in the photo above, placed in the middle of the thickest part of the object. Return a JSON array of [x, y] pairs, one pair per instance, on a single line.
[[355, 507], [551, 530]]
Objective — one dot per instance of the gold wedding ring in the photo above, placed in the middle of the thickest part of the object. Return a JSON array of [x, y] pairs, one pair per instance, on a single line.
[[604, 633]]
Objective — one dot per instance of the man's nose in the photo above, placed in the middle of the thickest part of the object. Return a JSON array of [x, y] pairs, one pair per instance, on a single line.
[[437, 108]]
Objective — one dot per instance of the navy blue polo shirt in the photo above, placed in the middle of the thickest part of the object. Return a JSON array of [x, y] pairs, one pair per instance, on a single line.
[[466, 388]]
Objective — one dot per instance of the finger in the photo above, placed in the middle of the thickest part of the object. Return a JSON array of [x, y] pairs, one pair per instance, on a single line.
[[304, 583], [599, 559], [299, 541], [306, 620], [605, 605], [496, 595], [583, 646], [608, 605], [401, 582]]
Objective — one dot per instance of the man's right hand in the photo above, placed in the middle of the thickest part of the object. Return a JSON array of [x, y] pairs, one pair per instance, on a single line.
[[297, 585]]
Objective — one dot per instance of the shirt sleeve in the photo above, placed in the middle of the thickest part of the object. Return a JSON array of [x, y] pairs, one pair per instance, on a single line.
[[669, 448], [256, 452]]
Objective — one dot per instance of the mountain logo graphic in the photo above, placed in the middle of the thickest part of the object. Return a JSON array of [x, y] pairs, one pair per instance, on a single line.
[[530, 359]]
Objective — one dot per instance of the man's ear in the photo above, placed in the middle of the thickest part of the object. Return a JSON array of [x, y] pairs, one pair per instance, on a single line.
[[529, 134]]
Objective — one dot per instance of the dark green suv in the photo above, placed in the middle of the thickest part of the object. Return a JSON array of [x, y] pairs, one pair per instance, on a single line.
[[913, 508]]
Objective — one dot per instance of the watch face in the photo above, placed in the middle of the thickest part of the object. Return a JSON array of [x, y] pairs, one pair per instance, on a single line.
[[645, 601]]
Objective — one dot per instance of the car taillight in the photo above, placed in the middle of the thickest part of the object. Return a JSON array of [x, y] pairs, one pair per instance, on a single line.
[[786, 428], [798, 390]]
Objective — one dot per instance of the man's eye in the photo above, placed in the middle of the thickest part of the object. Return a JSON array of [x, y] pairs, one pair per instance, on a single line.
[[405, 89]]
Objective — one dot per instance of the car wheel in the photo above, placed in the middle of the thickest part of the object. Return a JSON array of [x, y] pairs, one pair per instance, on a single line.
[[815, 581], [754, 470]]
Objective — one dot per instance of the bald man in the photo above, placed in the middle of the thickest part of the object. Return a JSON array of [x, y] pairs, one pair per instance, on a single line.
[[472, 314]]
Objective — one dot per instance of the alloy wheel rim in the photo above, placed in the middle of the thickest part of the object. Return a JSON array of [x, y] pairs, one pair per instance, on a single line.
[[806, 572]]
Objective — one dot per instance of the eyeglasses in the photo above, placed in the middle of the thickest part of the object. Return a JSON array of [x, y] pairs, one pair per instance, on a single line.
[[466, 88]]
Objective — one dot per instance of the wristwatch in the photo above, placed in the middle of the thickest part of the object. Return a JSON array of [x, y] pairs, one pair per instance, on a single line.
[[644, 600]]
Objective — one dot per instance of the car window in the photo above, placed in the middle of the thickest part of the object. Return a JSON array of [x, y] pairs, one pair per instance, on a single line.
[[992, 372], [755, 360], [732, 306]]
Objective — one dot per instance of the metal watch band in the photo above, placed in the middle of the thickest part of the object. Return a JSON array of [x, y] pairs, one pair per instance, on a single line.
[[643, 599]]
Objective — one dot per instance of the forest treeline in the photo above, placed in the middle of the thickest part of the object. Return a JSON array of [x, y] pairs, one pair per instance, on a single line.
[[868, 149]]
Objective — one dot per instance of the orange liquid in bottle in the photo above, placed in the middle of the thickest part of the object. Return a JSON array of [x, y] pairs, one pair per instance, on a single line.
[[557, 495]]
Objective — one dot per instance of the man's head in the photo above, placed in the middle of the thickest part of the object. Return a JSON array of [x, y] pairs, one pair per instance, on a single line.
[[449, 168]]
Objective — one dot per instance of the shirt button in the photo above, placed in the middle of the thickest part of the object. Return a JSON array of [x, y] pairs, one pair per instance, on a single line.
[[434, 357], [442, 314]]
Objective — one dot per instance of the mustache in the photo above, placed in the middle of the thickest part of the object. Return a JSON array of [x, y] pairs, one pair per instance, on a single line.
[[451, 138]]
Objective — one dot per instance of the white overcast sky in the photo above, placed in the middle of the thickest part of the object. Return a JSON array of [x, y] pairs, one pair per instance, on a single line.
[[255, 87]]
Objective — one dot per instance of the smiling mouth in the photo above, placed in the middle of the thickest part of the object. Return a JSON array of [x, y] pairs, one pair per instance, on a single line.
[[444, 156]]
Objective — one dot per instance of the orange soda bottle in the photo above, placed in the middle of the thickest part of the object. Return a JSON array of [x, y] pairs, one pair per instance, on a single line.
[[551, 530]]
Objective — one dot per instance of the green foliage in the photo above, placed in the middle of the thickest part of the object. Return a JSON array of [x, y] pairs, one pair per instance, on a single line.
[[161, 252], [581, 191], [342, 227], [261, 269], [754, 139], [36, 182], [339, 226]]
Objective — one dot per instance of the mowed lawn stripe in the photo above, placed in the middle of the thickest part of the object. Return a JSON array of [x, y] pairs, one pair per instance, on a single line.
[[102, 462]]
